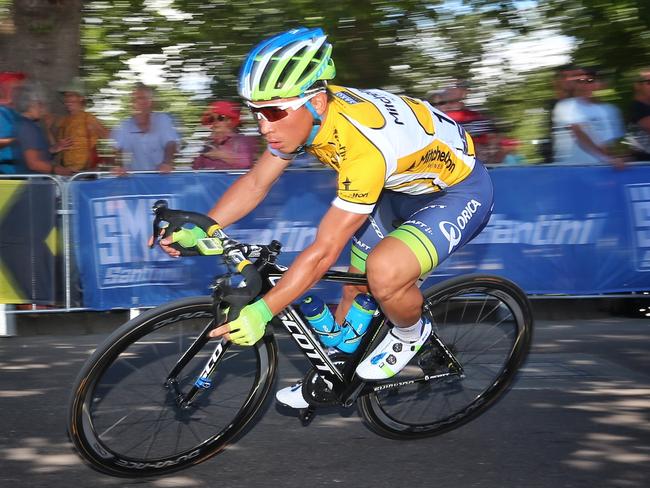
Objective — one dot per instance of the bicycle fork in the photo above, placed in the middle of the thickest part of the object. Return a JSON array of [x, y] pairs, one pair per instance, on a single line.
[[203, 381]]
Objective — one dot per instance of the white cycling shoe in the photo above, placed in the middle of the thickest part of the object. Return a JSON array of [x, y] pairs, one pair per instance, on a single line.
[[392, 355], [291, 396]]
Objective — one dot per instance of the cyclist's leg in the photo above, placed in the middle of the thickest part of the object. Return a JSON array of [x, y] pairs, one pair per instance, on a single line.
[[431, 232], [379, 224], [349, 292], [393, 271], [428, 236]]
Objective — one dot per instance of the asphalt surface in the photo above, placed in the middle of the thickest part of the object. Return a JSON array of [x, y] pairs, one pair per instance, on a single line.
[[577, 416]]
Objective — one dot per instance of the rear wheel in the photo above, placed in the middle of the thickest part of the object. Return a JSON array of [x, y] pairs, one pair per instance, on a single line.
[[126, 420], [484, 323]]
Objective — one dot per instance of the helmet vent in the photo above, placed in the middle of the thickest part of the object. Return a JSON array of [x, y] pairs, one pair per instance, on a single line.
[[289, 67], [320, 55], [264, 79]]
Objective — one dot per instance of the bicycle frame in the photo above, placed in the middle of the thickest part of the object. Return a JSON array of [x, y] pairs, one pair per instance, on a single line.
[[344, 383]]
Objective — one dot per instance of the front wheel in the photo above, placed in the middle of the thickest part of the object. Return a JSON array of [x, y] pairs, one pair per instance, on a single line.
[[124, 416], [484, 325]]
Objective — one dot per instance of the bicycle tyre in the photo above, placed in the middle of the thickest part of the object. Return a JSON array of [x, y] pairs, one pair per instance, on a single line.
[[452, 403], [124, 379]]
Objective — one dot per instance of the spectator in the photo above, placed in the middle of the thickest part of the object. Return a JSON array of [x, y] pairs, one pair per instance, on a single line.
[[79, 127], [436, 98], [508, 154], [226, 148], [8, 116], [640, 117], [480, 127], [564, 85], [32, 149], [584, 128], [148, 139]]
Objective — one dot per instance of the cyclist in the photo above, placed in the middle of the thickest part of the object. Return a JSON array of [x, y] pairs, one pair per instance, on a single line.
[[398, 161]]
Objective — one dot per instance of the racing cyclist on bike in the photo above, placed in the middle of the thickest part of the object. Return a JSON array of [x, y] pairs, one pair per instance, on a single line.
[[398, 161]]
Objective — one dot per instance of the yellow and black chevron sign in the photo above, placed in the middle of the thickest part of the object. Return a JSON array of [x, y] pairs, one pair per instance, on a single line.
[[28, 241]]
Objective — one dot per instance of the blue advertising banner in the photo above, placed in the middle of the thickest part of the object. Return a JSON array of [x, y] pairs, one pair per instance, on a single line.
[[113, 221], [570, 230], [559, 230]]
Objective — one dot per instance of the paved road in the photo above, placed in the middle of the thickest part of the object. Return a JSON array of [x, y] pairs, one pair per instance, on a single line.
[[578, 416]]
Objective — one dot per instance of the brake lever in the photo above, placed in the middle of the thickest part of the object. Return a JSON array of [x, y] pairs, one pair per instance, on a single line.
[[169, 221], [157, 226]]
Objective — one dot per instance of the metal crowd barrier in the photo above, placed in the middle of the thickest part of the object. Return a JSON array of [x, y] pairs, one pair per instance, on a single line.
[[65, 210], [7, 319]]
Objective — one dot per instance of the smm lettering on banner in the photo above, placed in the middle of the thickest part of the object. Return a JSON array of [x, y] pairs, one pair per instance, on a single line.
[[122, 227], [639, 200]]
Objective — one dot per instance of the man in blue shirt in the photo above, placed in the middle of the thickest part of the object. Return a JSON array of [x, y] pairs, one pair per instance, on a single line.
[[148, 140]]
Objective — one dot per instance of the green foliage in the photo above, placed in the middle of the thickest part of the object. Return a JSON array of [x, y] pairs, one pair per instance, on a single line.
[[611, 35], [410, 46]]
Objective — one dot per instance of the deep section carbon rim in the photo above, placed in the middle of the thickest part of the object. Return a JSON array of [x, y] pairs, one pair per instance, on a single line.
[[485, 324], [125, 420]]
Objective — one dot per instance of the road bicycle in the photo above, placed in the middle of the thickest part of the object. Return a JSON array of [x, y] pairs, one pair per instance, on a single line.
[[157, 396]]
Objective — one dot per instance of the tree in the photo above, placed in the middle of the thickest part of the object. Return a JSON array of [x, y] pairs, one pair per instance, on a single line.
[[374, 39], [42, 39]]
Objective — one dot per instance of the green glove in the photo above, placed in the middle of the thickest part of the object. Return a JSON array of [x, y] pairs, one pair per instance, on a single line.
[[249, 327], [187, 237]]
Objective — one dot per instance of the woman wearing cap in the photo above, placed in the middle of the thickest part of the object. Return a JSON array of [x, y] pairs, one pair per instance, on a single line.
[[227, 148], [79, 128]]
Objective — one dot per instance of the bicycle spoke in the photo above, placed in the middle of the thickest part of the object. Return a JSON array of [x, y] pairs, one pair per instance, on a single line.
[[138, 417], [478, 328]]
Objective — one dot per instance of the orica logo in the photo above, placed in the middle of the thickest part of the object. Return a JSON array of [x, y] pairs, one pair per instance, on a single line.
[[453, 232]]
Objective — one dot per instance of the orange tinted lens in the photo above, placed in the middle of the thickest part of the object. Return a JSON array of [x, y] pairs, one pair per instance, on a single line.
[[270, 113]]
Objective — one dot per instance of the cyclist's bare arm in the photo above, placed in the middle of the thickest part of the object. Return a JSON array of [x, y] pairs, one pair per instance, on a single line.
[[243, 195], [249, 190], [335, 230]]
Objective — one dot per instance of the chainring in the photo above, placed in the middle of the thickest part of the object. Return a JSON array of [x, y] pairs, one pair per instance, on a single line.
[[315, 389]]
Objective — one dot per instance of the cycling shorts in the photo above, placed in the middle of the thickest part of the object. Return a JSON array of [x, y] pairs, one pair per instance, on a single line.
[[433, 225]]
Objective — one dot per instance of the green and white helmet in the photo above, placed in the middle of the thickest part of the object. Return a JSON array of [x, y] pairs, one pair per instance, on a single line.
[[286, 65]]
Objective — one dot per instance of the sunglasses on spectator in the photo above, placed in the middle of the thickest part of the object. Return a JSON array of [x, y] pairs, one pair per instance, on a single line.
[[217, 118], [586, 80], [273, 113], [643, 80]]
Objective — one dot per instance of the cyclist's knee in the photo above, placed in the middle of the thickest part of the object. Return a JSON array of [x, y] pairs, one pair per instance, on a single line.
[[392, 268], [385, 277]]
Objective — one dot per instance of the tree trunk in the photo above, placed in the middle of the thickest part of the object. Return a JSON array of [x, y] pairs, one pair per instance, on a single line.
[[42, 39]]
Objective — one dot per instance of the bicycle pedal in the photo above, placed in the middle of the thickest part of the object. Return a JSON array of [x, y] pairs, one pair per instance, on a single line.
[[306, 415]]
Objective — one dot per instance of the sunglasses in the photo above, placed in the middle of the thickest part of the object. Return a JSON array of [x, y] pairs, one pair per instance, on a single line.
[[585, 80], [642, 80], [273, 113], [217, 118]]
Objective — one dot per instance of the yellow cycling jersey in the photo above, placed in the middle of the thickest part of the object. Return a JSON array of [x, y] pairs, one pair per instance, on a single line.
[[376, 140]]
